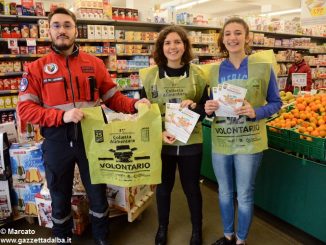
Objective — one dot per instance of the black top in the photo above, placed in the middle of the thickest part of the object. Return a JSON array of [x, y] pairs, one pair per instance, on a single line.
[[186, 149], [172, 72]]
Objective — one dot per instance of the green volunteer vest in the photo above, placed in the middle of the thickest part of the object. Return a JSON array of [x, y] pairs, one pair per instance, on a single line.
[[241, 135], [175, 90]]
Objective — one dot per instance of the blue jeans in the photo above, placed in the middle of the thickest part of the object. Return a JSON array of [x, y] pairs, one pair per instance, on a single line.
[[240, 169]]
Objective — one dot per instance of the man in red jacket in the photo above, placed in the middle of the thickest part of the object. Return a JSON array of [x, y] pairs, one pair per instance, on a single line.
[[299, 66], [52, 91]]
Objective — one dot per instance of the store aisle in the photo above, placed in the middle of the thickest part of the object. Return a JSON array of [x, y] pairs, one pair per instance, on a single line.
[[266, 229]]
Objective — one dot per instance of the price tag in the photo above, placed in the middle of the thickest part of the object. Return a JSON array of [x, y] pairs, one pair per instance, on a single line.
[[299, 79], [30, 42], [12, 43]]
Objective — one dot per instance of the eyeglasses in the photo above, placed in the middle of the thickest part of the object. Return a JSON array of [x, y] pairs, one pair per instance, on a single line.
[[66, 26]]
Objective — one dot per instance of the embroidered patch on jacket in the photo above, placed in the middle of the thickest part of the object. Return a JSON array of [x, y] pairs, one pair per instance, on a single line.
[[52, 80], [50, 68], [87, 69], [23, 84]]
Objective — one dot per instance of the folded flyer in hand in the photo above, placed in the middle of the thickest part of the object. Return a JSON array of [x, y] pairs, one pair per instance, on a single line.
[[229, 97], [180, 122]]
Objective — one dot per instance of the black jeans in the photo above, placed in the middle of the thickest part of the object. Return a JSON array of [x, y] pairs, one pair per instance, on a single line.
[[189, 171], [60, 159]]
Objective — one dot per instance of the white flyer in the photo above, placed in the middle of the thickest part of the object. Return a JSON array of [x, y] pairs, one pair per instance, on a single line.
[[180, 122], [229, 97]]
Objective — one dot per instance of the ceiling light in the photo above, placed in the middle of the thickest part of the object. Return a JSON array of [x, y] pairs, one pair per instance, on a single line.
[[289, 11], [189, 4]]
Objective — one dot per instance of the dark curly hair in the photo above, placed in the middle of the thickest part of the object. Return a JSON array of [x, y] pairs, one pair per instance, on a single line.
[[220, 43], [159, 56]]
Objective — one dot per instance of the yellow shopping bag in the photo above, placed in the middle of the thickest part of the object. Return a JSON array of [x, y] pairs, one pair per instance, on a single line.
[[124, 153]]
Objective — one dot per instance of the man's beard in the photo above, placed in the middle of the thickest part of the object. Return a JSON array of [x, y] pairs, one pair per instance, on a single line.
[[63, 47]]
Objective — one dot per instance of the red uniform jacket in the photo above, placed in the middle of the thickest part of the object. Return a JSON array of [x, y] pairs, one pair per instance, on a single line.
[[54, 84], [302, 67]]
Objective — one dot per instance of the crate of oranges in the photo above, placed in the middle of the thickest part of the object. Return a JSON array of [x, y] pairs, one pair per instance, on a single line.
[[305, 125]]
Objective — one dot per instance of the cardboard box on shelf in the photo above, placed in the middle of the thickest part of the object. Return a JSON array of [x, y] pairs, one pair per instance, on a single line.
[[5, 31], [24, 29], [5, 170], [98, 32], [15, 31], [107, 32], [25, 197], [90, 31], [44, 211], [79, 207], [5, 204], [10, 129], [27, 163]]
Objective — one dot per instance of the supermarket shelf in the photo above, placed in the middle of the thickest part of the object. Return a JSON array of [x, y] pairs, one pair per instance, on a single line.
[[205, 55], [9, 17], [95, 21], [280, 34], [35, 55], [25, 38], [94, 40], [131, 89], [278, 47], [150, 24], [317, 65], [83, 40], [7, 109], [141, 54], [29, 18], [126, 71], [285, 61], [80, 40], [8, 92], [7, 74], [136, 41], [317, 52], [201, 43], [99, 55], [21, 55]]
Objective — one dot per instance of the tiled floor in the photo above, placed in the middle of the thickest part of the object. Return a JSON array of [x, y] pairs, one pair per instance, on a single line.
[[265, 230]]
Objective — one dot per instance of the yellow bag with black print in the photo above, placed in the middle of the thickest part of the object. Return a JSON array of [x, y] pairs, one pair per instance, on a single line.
[[124, 153]]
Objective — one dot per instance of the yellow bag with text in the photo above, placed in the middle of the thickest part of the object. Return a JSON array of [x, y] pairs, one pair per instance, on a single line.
[[124, 153]]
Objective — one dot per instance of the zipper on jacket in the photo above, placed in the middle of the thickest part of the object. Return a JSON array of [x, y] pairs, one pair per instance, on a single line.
[[73, 100], [66, 87], [178, 150], [78, 88]]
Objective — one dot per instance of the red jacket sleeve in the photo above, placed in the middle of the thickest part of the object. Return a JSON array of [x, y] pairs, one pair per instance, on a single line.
[[30, 107]]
